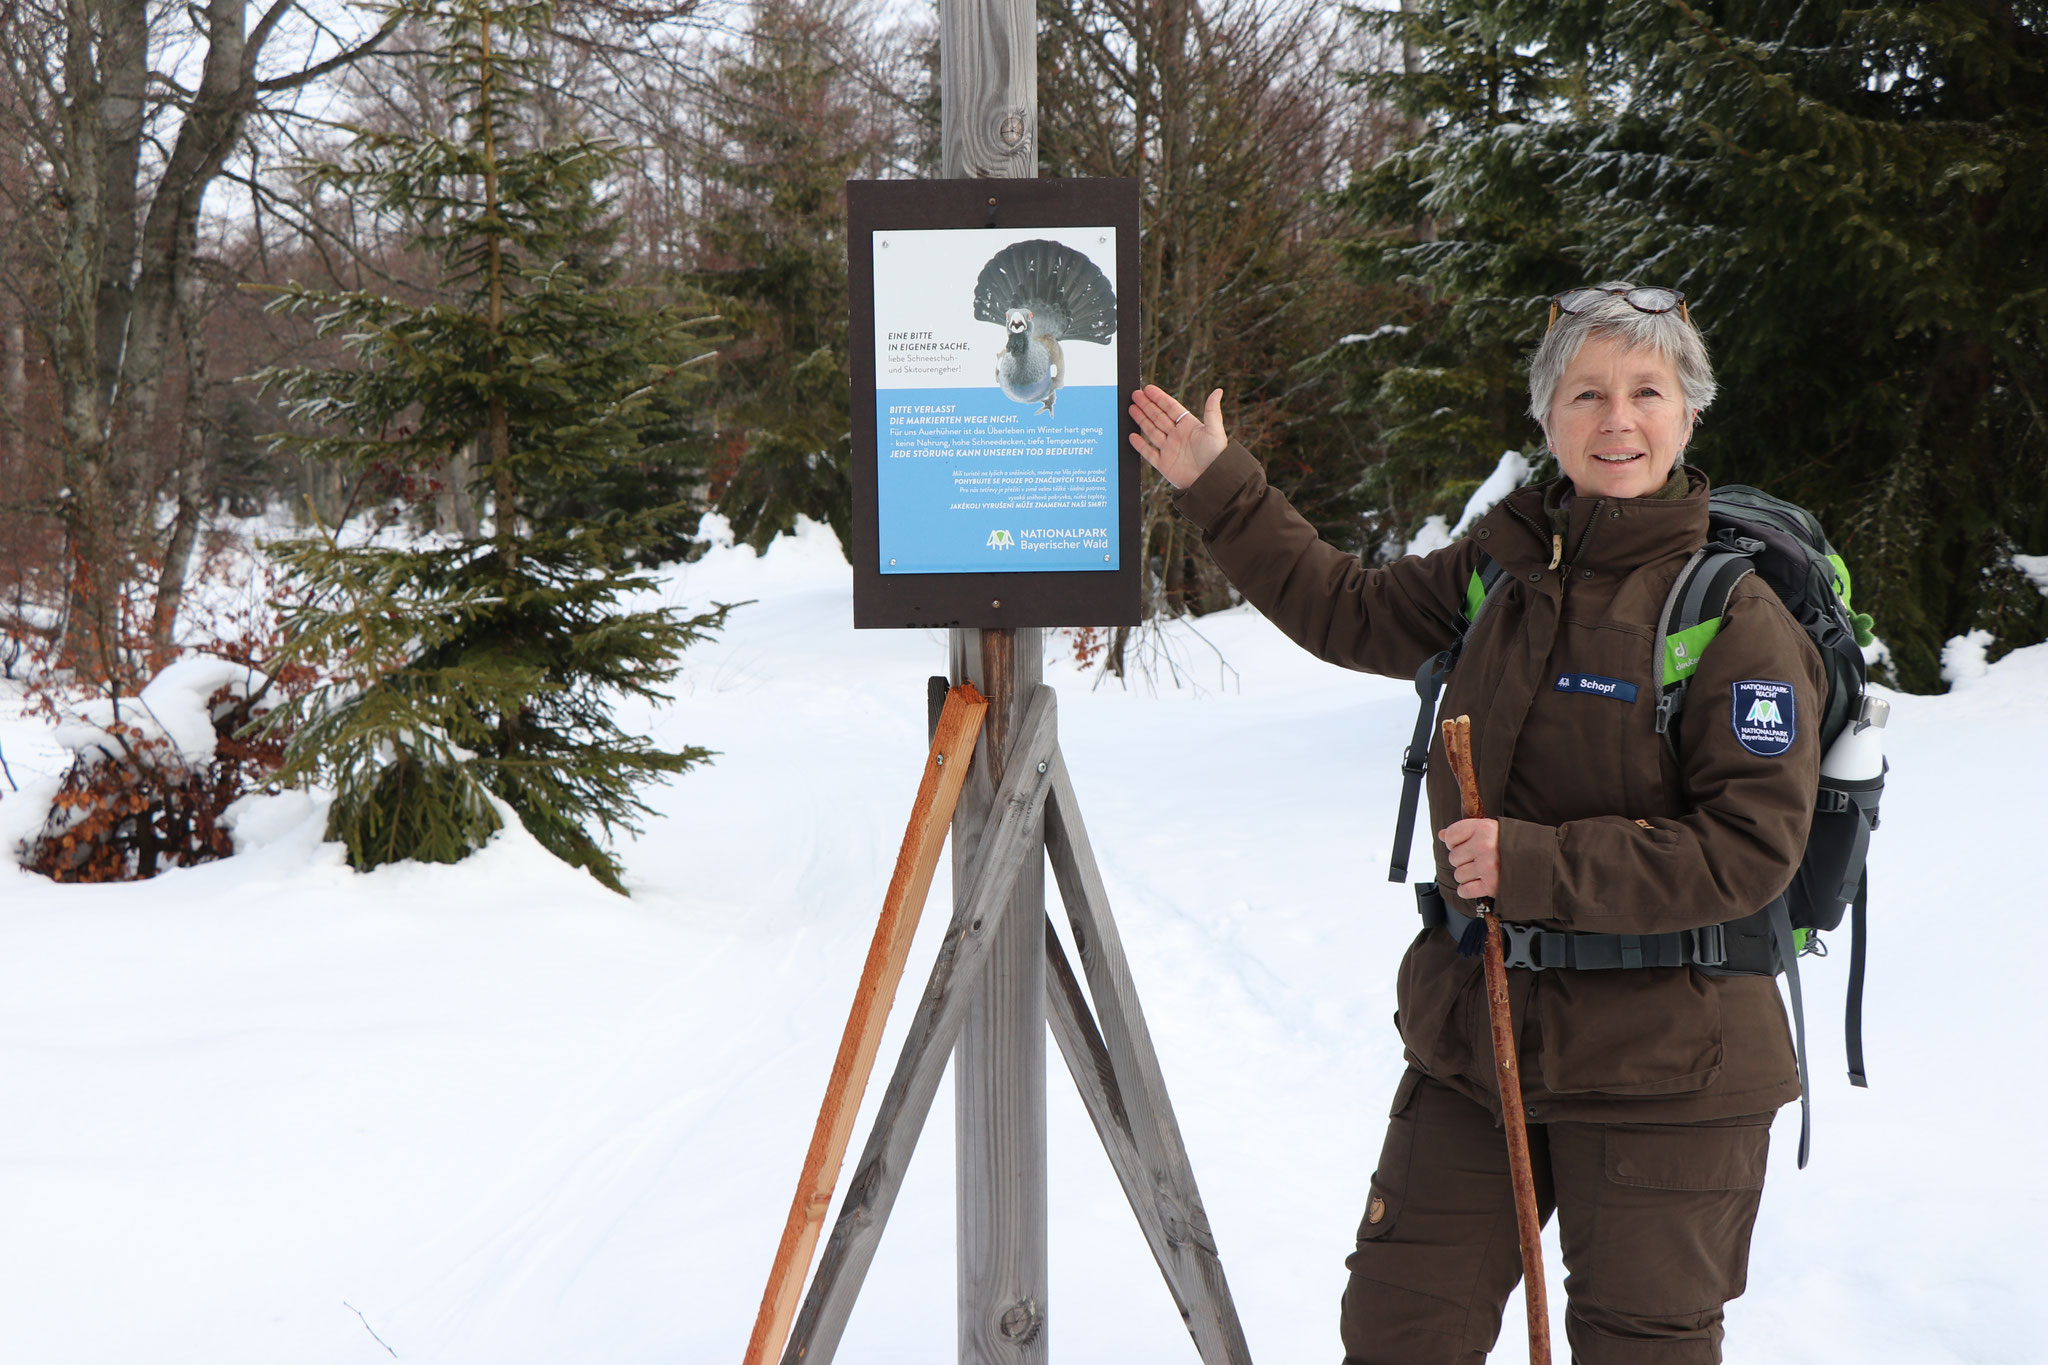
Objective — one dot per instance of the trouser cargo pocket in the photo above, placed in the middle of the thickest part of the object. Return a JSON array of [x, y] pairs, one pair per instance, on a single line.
[[1382, 1203], [1431, 1232], [1675, 1212]]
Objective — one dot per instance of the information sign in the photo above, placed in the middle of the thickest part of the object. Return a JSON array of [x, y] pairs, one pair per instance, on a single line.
[[993, 350]]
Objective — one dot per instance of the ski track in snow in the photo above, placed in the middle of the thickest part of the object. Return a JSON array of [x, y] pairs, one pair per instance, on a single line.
[[512, 1118]]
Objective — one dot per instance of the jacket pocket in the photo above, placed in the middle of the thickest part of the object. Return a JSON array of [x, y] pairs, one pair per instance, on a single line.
[[1431, 991], [1652, 1031]]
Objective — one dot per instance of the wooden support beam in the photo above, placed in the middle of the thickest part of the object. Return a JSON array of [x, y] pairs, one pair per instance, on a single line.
[[988, 88], [988, 126], [1000, 1180], [931, 815], [1196, 1274], [1009, 841]]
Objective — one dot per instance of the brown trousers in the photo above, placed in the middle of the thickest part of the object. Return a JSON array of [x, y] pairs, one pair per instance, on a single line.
[[1654, 1220]]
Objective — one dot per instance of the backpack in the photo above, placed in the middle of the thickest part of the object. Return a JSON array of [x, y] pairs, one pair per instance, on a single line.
[[1748, 531]]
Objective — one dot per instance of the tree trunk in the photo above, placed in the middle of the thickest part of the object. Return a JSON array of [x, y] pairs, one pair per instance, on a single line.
[[497, 429], [191, 486], [80, 171], [455, 500], [170, 233], [121, 271], [13, 380], [123, 82]]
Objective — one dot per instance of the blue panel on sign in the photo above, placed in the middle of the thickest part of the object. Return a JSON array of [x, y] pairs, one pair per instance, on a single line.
[[1594, 685], [972, 482]]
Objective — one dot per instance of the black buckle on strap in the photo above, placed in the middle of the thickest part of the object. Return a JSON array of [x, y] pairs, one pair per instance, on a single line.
[[1709, 946], [1517, 944]]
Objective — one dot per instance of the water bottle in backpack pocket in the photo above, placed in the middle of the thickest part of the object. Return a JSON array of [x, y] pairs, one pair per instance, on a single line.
[[1851, 784]]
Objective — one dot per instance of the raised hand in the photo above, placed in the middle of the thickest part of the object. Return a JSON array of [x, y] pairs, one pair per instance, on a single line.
[[1172, 439]]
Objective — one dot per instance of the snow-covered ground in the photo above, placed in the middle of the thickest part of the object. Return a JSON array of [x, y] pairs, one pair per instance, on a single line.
[[273, 1112]]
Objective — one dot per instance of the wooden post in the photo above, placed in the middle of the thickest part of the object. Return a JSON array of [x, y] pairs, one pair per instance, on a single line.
[[999, 1062], [990, 997], [988, 103], [988, 88]]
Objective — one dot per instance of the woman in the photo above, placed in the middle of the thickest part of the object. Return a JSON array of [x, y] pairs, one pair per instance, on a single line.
[[1649, 1089]]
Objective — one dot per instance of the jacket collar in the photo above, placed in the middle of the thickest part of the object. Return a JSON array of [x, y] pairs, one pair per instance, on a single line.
[[1614, 535]]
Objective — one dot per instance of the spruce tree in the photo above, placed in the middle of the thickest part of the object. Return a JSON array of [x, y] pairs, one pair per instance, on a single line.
[[1854, 198], [483, 670], [790, 127]]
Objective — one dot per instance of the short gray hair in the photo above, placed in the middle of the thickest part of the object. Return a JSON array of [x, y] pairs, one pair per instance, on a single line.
[[1671, 335]]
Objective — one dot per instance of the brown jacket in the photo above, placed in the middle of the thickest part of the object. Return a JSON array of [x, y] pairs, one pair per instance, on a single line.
[[1600, 830]]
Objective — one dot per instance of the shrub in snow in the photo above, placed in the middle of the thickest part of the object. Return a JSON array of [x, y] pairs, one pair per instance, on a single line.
[[152, 774]]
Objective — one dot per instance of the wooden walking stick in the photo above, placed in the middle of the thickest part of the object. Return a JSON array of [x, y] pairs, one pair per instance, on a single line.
[[1458, 747], [930, 816]]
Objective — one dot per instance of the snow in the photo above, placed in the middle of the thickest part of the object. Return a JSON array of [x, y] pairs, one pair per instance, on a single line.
[[1510, 472], [2035, 567], [273, 1110], [1964, 658], [171, 708]]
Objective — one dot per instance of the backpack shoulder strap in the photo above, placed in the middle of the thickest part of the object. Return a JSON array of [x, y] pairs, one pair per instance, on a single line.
[[1692, 618], [1486, 576], [1486, 579]]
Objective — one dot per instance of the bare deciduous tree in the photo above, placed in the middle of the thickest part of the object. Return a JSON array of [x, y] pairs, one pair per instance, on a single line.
[[126, 112], [1236, 119]]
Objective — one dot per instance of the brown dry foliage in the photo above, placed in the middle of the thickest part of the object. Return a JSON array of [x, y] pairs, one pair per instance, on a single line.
[[129, 813]]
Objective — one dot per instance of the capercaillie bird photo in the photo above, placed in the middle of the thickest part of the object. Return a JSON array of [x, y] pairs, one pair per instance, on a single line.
[[1044, 293]]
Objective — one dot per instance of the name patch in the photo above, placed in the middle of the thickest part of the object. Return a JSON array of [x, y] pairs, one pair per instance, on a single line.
[[1766, 717], [1595, 685]]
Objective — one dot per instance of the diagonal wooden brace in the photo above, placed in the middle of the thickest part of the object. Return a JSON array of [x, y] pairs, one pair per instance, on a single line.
[[1009, 839], [1159, 1181], [1073, 1028]]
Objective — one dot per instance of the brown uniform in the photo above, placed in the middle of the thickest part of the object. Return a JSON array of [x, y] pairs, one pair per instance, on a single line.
[[1602, 829]]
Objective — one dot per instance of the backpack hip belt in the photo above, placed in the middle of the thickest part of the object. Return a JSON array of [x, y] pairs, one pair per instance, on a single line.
[[1755, 945], [1548, 949]]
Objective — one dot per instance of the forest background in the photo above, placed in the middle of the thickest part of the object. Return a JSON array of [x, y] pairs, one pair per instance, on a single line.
[[1353, 218]]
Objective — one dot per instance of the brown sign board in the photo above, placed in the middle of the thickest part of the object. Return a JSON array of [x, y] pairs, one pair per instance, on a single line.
[[994, 348]]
